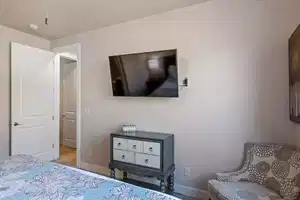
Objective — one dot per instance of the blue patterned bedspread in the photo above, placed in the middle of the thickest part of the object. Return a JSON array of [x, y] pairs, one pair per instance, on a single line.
[[24, 177]]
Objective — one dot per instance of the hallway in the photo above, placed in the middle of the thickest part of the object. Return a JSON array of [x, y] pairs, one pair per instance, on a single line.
[[67, 156]]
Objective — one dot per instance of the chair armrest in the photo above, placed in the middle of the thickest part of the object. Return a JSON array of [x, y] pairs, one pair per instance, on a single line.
[[240, 175]]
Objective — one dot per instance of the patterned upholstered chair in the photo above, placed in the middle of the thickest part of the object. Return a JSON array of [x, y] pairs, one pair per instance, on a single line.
[[269, 172]]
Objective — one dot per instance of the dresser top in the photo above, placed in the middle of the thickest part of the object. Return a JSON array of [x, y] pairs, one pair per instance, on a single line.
[[144, 135]]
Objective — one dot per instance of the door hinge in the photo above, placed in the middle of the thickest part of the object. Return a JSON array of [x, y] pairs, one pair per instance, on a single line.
[[53, 146], [52, 117]]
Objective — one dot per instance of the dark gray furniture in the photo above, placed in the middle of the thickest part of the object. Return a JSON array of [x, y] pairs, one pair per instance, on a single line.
[[144, 154]]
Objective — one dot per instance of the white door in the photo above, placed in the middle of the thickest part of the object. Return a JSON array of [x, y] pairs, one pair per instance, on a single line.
[[34, 127], [69, 105]]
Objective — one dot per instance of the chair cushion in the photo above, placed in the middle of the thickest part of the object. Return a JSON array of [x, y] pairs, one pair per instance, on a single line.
[[276, 167], [240, 191]]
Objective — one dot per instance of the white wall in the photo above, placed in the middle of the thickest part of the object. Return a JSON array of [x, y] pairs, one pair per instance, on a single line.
[[8, 35], [235, 54]]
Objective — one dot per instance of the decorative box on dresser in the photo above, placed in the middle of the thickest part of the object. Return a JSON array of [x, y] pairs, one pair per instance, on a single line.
[[144, 154]]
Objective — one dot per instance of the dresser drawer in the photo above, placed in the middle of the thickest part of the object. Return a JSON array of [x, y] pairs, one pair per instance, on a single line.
[[135, 146], [119, 143], [152, 148], [147, 160], [123, 156]]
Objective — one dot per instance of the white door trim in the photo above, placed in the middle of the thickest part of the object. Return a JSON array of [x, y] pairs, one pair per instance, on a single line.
[[72, 52]]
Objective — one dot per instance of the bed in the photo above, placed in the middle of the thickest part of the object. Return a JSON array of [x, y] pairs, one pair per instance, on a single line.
[[27, 178]]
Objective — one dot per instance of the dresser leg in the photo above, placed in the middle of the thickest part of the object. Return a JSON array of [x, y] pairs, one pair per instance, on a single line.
[[162, 186], [112, 173], [125, 175], [171, 182]]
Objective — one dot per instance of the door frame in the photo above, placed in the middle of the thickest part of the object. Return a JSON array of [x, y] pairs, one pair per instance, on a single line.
[[72, 52]]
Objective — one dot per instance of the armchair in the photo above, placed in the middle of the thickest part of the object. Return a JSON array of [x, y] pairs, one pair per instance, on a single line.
[[269, 172]]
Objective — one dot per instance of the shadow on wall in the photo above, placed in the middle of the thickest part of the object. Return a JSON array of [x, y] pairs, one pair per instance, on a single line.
[[268, 95], [97, 151]]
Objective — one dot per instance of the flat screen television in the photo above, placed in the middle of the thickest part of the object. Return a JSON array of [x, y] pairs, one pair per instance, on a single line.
[[150, 74]]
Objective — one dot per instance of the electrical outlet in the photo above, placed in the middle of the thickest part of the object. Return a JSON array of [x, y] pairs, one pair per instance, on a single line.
[[187, 171]]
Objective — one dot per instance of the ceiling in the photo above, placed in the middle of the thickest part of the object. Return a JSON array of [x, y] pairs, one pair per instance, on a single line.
[[68, 17]]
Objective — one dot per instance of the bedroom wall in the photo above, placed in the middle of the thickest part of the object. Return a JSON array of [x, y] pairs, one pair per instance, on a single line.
[[8, 35], [235, 54]]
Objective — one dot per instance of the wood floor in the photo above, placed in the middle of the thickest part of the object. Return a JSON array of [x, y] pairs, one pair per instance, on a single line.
[[67, 156]]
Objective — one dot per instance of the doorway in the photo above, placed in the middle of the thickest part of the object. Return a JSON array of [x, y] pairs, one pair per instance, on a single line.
[[68, 110], [68, 103]]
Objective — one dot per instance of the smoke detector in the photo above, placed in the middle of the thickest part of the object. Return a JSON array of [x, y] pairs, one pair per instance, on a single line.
[[33, 26]]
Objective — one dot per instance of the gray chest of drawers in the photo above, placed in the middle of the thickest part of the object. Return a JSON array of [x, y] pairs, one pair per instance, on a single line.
[[144, 154]]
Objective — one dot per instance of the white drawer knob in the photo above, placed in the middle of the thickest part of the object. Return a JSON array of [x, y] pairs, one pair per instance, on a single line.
[[146, 161], [150, 149], [123, 157], [134, 146]]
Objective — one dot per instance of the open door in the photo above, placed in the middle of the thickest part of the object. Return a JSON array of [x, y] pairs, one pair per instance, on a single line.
[[69, 90], [34, 128]]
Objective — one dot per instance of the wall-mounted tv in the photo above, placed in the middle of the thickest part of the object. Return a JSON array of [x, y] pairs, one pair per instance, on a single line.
[[150, 74]]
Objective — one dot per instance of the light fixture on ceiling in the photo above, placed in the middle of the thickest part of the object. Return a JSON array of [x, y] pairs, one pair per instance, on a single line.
[[46, 19]]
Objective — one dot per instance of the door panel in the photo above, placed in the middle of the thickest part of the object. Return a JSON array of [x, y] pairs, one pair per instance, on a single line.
[[69, 130], [32, 96], [33, 143], [69, 104]]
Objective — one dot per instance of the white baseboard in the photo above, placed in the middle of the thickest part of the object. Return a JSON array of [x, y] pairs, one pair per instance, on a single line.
[[181, 189], [191, 192]]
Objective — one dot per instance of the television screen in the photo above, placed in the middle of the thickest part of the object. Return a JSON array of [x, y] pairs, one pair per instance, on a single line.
[[152, 74]]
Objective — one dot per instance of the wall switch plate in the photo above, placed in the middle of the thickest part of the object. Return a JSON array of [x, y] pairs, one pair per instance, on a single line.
[[187, 171], [87, 110]]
